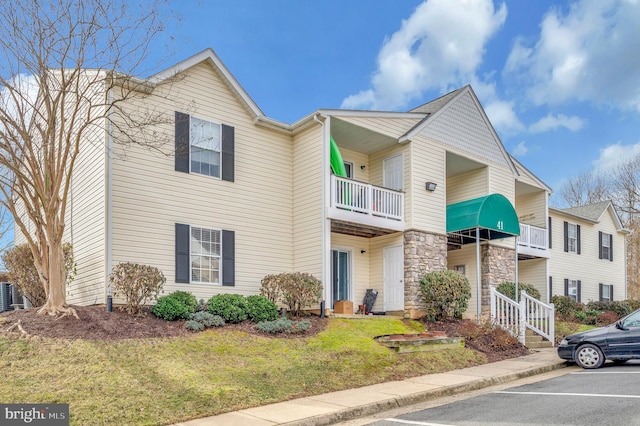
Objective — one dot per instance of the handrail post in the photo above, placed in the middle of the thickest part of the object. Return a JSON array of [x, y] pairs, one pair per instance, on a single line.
[[523, 320]]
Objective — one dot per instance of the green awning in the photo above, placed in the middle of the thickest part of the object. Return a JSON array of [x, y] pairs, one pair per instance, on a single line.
[[492, 214]]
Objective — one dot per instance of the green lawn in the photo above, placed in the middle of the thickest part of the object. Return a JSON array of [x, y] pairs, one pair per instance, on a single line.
[[161, 381]]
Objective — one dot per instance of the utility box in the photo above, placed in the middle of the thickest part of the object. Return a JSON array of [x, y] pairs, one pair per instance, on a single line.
[[343, 307]]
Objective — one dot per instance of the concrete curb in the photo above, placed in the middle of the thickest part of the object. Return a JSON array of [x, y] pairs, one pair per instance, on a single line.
[[403, 401]]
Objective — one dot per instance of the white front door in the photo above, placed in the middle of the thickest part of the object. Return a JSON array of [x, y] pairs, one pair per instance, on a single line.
[[393, 276], [392, 174]]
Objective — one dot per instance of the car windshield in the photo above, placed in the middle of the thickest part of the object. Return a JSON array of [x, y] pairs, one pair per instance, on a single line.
[[632, 320]]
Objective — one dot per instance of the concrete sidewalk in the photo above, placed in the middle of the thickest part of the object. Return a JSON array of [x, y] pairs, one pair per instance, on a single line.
[[348, 404]]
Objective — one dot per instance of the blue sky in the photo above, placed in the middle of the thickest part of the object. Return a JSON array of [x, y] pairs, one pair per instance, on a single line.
[[560, 80]]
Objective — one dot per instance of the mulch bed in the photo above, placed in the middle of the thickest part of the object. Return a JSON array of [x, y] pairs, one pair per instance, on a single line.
[[97, 324]]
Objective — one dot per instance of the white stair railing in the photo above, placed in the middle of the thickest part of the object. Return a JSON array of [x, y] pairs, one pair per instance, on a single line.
[[538, 316], [517, 317]]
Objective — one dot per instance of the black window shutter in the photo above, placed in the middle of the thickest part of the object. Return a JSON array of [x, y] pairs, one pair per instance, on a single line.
[[550, 287], [600, 249], [550, 237], [566, 236], [611, 250], [228, 149], [579, 290], [182, 142], [566, 286], [183, 270], [611, 292], [578, 238], [600, 292], [228, 258]]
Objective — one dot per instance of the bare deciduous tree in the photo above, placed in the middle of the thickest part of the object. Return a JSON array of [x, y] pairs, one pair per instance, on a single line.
[[64, 67]]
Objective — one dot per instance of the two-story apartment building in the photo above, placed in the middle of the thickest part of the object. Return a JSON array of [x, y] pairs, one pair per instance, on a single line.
[[242, 195], [588, 253]]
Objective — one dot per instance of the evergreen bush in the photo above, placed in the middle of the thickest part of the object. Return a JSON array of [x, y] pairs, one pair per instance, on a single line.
[[170, 309], [446, 294], [232, 308], [509, 289], [261, 309]]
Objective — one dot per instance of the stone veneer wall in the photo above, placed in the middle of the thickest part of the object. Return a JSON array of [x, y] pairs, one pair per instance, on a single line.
[[497, 264], [423, 252]]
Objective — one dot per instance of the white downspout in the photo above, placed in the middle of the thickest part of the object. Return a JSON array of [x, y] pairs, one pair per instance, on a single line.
[[326, 230], [109, 201]]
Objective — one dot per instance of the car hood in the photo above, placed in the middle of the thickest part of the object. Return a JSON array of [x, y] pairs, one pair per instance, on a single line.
[[592, 335]]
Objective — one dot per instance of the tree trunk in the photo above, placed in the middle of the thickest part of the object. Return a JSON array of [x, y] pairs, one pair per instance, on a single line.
[[55, 282]]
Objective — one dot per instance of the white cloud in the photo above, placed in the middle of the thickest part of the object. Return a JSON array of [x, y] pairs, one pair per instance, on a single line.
[[440, 45], [551, 122], [503, 117], [589, 53], [520, 150], [613, 155]]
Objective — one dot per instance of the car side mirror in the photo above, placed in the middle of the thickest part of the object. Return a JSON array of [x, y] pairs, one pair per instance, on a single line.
[[620, 325]]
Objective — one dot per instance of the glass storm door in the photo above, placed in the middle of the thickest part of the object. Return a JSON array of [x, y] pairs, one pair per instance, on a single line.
[[339, 275]]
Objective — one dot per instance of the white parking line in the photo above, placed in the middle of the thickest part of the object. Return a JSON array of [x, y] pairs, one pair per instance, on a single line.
[[599, 395], [606, 372], [412, 422]]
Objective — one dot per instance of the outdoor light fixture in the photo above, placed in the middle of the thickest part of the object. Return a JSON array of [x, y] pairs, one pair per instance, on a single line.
[[431, 186], [363, 251], [362, 167]]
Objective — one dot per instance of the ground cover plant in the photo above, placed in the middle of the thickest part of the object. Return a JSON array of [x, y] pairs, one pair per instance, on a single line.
[[186, 375]]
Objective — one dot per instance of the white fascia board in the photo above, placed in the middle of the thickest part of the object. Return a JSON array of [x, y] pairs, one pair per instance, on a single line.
[[209, 54]]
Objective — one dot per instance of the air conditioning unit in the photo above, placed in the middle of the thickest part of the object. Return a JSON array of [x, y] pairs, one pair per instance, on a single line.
[[5, 297]]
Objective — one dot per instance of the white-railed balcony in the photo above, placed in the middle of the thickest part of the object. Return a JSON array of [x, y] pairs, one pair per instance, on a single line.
[[533, 241], [366, 204]]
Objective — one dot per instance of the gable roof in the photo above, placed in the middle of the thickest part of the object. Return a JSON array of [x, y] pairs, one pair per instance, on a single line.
[[523, 171], [447, 104], [209, 56], [593, 213]]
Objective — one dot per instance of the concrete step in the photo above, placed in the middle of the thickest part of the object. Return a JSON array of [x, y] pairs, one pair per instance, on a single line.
[[538, 345]]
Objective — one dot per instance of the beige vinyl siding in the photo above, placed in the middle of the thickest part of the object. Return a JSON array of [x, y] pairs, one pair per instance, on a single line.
[[427, 210], [376, 161], [149, 196], [358, 159], [531, 209], [85, 221], [586, 266], [376, 270], [467, 186], [394, 127], [466, 256], [308, 202], [534, 272]]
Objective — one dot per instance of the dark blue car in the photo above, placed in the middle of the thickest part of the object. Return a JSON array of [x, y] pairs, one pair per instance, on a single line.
[[617, 342]]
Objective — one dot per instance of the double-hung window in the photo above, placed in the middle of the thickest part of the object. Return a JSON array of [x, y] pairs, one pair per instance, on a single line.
[[572, 289], [571, 238], [205, 147], [606, 246], [205, 255], [606, 292]]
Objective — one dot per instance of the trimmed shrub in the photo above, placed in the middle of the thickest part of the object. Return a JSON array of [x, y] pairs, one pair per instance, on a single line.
[[207, 319], [232, 308], [136, 284], [170, 309], [606, 318], [621, 308], [188, 299], [297, 290], [567, 308], [270, 287], [261, 309], [194, 325], [22, 271], [446, 294], [283, 325], [509, 289]]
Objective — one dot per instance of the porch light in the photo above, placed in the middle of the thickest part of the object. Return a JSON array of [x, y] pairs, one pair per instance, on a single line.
[[431, 186], [362, 167]]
